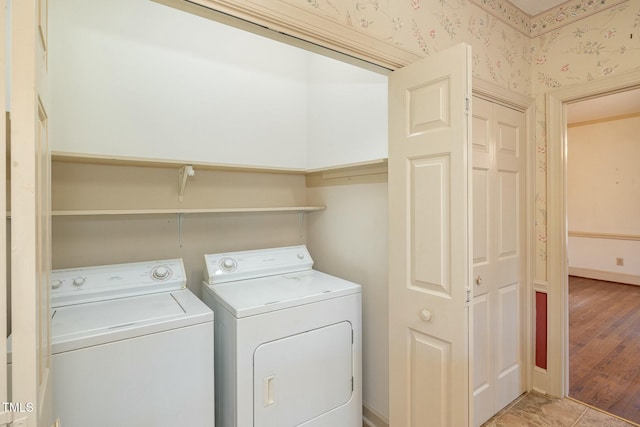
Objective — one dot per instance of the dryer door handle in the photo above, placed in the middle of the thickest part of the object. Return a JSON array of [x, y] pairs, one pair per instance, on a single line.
[[269, 390]]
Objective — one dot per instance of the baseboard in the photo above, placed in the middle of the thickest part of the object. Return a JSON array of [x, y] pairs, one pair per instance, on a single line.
[[371, 418], [540, 380], [609, 276]]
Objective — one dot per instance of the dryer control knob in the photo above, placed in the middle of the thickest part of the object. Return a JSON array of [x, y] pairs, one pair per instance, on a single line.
[[56, 283], [79, 281], [228, 264], [300, 256], [160, 273]]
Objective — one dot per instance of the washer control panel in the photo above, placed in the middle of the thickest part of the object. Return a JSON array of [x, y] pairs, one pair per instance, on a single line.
[[84, 284], [232, 266]]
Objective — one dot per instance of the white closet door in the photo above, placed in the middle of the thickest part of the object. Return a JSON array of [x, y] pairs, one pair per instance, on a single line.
[[499, 239], [483, 348], [31, 213], [429, 250]]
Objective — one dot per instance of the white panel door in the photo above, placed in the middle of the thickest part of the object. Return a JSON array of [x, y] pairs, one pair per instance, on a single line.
[[429, 241], [499, 218], [31, 213]]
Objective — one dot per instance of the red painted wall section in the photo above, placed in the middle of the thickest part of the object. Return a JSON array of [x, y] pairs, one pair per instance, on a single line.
[[541, 330]]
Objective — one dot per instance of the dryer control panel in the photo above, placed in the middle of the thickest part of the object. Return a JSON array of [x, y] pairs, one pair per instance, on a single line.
[[85, 284], [232, 266]]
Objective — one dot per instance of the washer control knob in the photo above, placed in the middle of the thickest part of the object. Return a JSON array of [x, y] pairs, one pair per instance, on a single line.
[[228, 264], [56, 283], [300, 256], [79, 281], [161, 273]]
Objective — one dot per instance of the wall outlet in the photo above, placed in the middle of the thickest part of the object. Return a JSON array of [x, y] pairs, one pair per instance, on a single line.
[[619, 261]]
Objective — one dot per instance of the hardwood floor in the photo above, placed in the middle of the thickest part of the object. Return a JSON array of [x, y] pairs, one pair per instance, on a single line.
[[604, 346]]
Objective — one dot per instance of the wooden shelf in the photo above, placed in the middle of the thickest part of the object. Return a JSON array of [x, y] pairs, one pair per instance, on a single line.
[[65, 157], [300, 209]]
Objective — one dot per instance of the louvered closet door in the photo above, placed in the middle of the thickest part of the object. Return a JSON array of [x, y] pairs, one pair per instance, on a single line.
[[498, 248]]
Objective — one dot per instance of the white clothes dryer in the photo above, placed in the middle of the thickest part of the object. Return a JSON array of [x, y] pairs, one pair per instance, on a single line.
[[287, 341], [132, 347]]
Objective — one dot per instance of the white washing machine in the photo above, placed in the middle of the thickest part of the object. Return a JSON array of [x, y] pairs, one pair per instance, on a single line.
[[132, 347], [287, 341]]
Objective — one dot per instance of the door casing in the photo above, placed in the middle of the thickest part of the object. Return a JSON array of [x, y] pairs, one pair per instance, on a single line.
[[557, 286]]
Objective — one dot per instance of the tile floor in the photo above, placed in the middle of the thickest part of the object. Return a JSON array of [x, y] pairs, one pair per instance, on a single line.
[[534, 409]]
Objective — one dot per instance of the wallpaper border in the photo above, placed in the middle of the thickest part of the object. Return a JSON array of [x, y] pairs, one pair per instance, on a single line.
[[568, 13], [533, 26]]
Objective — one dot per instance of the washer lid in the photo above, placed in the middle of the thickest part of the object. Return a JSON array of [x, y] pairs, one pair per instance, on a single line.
[[94, 323], [256, 296]]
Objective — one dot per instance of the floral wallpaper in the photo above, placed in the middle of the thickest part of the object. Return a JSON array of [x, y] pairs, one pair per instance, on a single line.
[[582, 50], [576, 42], [501, 52]]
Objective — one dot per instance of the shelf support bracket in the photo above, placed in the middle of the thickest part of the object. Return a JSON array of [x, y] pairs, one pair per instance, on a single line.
[[183, 174]]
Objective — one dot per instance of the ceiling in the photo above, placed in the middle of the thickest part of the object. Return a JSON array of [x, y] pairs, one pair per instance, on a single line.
[[617, 104], [534, 7]]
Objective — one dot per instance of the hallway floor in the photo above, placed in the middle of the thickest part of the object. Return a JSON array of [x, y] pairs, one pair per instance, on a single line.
[[534, 409]]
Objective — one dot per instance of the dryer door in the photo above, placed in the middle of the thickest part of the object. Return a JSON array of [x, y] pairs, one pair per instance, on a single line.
[[303, 376]]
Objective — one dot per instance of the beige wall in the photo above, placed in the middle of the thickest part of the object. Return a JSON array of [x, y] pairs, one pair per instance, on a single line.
[[603, 181], [349, 240], [603, 177], [108, 239]]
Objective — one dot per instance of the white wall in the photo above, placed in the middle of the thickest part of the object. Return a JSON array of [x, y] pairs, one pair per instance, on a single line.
[[136, 78], [349, 240], [604, 194], [600, 255], [347, 120]]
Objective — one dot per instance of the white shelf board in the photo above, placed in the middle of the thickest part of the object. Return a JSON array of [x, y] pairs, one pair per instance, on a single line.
[[184, 211]]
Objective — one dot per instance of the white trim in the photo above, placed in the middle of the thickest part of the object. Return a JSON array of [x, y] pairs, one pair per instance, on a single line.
[[491, 92], [4, 303], [530, 259], [302, 23], [541, 286], [371, 418], [540, 380], [609, 236], [609, 276], [558, 355]]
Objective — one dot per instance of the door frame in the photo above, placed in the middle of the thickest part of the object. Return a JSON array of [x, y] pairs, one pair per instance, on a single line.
[[4, 303], [557, 264]]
